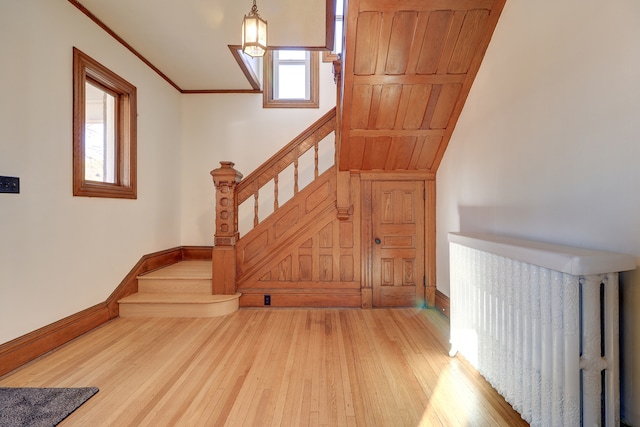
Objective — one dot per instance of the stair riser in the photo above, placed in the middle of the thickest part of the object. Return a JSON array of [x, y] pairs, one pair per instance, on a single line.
[[179, 310], [180, 286]]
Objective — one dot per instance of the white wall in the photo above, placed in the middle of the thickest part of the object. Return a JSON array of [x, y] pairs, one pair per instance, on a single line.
[[60, 254], [234, 127], [548, 144]]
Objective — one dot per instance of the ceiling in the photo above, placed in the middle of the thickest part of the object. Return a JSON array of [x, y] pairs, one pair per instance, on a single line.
[[187, 41], [407, 69]]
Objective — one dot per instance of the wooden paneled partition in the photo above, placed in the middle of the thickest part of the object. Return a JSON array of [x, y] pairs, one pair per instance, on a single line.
[[303, 255]]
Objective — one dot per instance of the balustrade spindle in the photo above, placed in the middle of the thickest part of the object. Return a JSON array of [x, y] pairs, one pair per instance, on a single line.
[[295, 175], [255, 208], [315, 170], [275, 193]]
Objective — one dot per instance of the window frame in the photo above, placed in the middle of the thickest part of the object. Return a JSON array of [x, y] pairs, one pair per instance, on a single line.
[[269, 84], [334, 54], [86, 69]]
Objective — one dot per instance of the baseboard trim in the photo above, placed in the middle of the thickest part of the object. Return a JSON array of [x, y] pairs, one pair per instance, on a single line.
[[344, 298], [442, 303], [26, 348]]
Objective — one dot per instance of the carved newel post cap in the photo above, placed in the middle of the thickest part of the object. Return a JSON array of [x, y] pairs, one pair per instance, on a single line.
[[226, 173]]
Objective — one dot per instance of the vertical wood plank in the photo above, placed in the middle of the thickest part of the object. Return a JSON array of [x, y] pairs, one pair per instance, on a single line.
[[433, 41], [389, 105], [418, 100], [400, 42], [366, 239], [362, 96], [366, 49], [450, 41], [446, 101], [471, 34], [383, 41]]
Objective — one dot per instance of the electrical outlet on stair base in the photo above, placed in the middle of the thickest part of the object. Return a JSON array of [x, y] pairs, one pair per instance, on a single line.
[[267, 300], [9, 184]]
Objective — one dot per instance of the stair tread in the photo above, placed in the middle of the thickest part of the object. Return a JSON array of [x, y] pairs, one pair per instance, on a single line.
[[175, 298], [182, 270]]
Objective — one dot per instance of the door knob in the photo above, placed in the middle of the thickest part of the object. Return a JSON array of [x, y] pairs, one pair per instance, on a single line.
[[378, 241]]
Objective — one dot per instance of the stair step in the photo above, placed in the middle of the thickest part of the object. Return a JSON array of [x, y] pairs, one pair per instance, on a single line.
[[181, 277], [154, 304]]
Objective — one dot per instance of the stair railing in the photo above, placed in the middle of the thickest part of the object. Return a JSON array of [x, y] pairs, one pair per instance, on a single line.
[[289, 155], [232, 190]]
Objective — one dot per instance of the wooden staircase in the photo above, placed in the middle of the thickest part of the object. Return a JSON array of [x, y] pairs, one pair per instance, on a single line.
[[182, 289]]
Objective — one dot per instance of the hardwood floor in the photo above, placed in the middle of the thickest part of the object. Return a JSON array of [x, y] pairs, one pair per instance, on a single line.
[[282, 367]]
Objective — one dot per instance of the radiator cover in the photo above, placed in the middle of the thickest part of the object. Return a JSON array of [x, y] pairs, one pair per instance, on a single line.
[[540, 323]]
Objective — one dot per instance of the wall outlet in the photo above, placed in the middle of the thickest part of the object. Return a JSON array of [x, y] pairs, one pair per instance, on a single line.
[[9, 184], [267, 300]]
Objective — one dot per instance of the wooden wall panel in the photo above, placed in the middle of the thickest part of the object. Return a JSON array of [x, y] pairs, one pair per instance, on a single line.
[[311, 263]]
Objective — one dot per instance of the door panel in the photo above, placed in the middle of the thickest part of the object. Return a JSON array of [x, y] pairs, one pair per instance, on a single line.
[[397, 242]]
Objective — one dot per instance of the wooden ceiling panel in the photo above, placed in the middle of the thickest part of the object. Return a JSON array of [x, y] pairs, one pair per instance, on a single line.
[[428, 153], [408, 68], [432, 103], [457, 19], [386, 23], [356, 152], [419, 99], [401, 152], [388, 107], [400, 42], [362, 95], [376, 152], [435, 35], [446, 101], [471, 33], [367, 43]]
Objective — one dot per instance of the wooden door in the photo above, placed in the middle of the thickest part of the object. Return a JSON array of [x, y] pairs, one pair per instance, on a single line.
[[397, 243]]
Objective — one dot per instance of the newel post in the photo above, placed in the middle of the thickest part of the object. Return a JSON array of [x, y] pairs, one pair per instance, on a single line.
[[225, 178]]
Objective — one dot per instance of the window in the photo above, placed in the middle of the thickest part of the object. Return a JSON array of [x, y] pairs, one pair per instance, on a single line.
[[104, 131], [291, 79]]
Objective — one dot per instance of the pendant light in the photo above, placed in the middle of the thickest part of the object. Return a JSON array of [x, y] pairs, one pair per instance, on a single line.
[[254, 33]]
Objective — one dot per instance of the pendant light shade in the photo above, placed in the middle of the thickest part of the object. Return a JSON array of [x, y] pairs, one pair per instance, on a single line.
[[254, 33]]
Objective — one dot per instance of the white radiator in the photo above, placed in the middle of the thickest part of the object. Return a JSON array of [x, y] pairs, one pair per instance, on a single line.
[[540, 323]]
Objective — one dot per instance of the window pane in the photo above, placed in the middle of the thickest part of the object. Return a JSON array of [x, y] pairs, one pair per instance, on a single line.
[[339, 8], [337, 48], [99, 141], [288, 55], [292, 82]]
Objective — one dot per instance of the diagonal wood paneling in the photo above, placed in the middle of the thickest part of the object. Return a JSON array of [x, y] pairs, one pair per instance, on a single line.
[[409, 65]]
